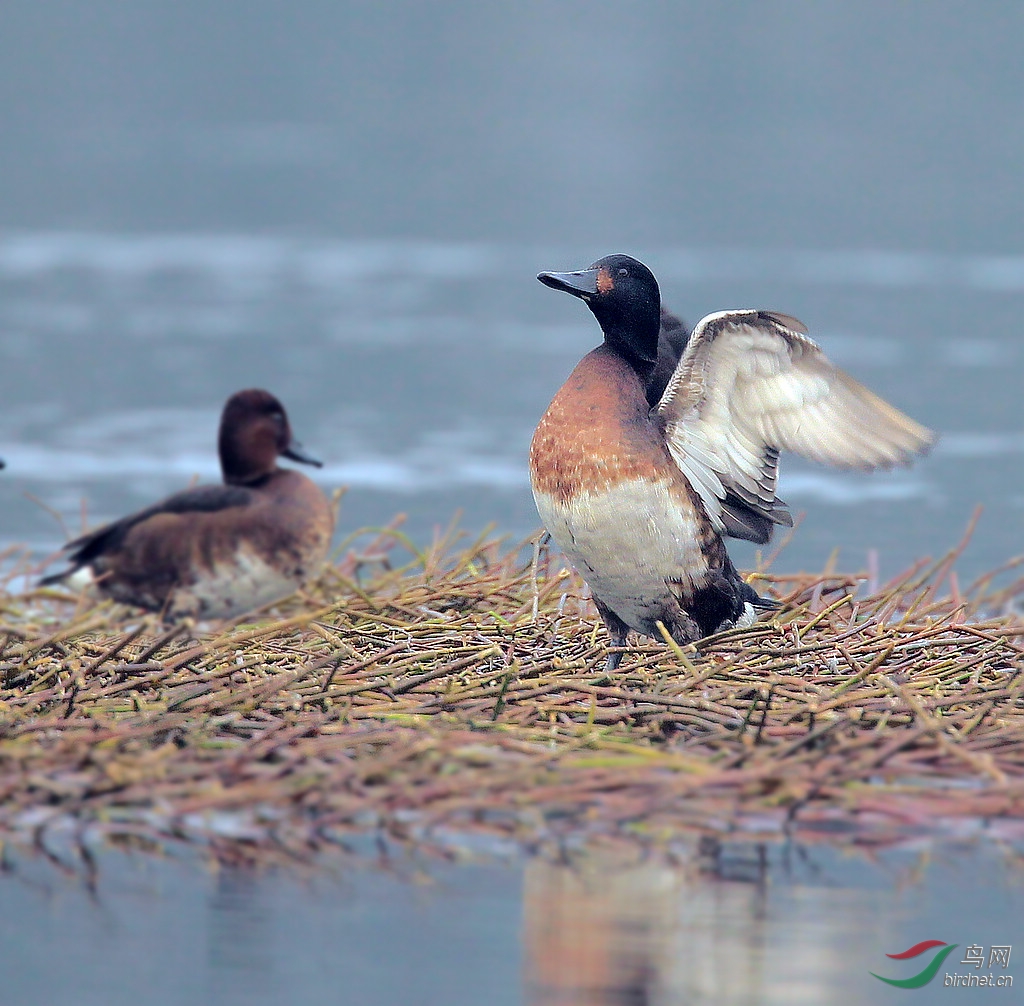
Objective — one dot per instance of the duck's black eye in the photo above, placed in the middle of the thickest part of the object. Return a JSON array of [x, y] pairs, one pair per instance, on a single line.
[[623, 271]]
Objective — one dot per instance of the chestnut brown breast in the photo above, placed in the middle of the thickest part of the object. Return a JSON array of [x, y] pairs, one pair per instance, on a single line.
[[597, 432]]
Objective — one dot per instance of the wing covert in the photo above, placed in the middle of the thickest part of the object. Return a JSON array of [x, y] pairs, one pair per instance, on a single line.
[[201, 499]]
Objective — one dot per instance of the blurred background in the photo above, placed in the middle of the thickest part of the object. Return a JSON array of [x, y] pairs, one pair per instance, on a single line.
[[347, 203]]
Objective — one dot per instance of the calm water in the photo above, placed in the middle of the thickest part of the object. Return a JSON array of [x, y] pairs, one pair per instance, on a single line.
[[348, 205], [417, 371], [768, 926]]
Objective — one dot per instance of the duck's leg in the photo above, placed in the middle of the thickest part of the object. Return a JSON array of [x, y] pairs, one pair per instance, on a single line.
[[617, 631]]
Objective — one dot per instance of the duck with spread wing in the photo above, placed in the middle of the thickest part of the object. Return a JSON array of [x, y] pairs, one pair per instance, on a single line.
[[638, 481]]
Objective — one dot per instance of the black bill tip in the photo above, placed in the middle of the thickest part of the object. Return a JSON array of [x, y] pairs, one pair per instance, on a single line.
[[296, 452]]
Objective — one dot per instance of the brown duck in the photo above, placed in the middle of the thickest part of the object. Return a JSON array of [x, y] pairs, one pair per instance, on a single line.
[[217, 551]]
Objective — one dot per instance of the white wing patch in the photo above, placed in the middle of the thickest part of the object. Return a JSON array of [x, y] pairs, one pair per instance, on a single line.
[[751, 383]]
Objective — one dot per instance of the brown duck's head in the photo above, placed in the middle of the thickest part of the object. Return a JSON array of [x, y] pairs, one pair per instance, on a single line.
[[624, 297], [254, 432]]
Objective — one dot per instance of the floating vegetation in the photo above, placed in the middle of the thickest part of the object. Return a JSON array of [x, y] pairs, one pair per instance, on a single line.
[[465, 692]]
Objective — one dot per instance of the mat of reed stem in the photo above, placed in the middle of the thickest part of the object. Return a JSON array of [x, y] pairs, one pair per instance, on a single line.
[[466, 690]]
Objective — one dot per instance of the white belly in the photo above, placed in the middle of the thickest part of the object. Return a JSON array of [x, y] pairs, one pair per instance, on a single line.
[[629, 543], [232, 588]]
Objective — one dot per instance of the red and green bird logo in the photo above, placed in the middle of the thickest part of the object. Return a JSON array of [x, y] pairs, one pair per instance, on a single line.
[[922, 977]]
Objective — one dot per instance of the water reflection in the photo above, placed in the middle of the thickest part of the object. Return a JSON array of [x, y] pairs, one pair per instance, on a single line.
[[594, 937], [732, 924], [241, 937], [747, 929]]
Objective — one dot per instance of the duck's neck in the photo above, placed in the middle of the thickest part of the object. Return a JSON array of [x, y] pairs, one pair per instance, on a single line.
[[635, 338]]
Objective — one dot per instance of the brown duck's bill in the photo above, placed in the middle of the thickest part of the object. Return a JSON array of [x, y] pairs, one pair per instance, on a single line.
[[296, 452], [579, 284]]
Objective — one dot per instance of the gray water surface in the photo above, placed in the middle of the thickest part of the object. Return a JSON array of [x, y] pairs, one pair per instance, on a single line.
[[347, 204], [418, 370], [764, 925]]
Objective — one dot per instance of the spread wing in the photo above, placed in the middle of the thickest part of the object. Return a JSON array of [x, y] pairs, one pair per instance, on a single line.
[[205, 499], [751, 384]]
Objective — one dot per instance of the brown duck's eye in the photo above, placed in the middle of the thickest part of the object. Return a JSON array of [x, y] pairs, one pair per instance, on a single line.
[[623, 271]]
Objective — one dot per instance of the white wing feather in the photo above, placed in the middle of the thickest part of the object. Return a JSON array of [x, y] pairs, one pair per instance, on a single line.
[[751, 383]]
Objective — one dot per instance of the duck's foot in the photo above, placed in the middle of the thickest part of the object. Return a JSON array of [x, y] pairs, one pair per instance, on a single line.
[[617, 632]]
